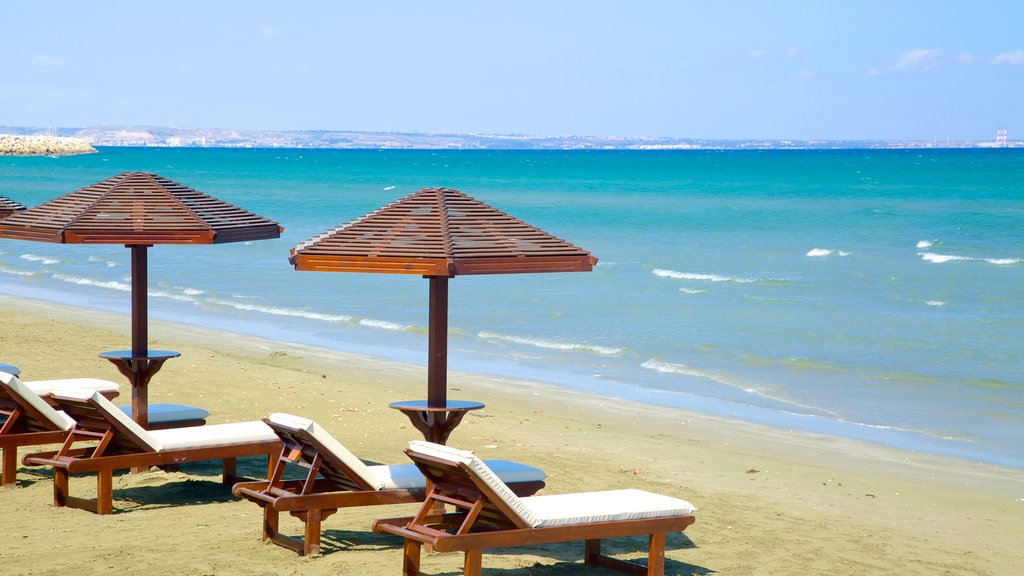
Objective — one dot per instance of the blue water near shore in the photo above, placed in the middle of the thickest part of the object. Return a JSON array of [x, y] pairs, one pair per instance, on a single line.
[[868, 294]]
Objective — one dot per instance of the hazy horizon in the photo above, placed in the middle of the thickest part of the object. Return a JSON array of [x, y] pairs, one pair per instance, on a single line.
[[789, 70]]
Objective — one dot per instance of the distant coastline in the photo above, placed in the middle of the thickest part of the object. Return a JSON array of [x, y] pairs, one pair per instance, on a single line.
[[170, 137], [42, 145]]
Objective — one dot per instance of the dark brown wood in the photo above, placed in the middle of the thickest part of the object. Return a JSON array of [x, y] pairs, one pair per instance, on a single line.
[[137, 209], [483, 521], [329, 485], [23, 426], [8, 207], [111, 446], [437, 347], [436, 423], [438, 233], [139, 369]]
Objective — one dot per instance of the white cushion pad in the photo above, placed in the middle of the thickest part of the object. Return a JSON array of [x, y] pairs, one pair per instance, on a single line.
[[409, 476], [213, 435], [332, 445], [477, 466], [44, 387], [605, 506], [107, 407], [56, 417]]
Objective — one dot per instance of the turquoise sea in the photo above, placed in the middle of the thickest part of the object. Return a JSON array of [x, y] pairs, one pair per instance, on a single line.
[[870, 294]]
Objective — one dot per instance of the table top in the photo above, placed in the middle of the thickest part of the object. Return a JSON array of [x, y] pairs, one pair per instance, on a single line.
[[151, 355], [10, 369], [451, 406]]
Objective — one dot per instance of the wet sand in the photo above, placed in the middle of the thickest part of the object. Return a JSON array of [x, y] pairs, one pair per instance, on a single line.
[[770, 501]]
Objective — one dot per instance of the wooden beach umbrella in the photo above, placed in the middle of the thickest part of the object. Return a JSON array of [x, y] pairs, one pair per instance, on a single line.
[[137, 209], [438, 233], [8, 207]]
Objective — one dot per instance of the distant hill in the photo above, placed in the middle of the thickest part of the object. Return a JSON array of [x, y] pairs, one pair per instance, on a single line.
[[163, 136]]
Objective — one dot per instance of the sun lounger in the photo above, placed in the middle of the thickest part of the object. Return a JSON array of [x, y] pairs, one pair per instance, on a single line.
[[488, 515], [29, 420], [124, 444], [344, 481]]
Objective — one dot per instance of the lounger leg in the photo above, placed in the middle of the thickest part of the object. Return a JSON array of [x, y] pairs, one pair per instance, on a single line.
[[270, 522], [104, 492], [230, 469], [474, 561], [592, 553], [9, 467], [60, 487], [656, 555], [312, 540], [411, 559]]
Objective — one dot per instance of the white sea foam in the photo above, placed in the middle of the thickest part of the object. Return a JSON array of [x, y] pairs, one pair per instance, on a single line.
[[109, 263], [17, 272], [935, 303], [382, 324], [193, 291], [170, 296], [819, 252], [1004, 261], [109, 284], [690, 291], [605, 350], [389, 188], [684, 370], [282, 311], [943, 258], [37, 258], [922, 244], [702, 277], [940, 258]]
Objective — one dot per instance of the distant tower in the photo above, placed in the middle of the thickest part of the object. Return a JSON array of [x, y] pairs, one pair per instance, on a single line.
[[1001, 138]]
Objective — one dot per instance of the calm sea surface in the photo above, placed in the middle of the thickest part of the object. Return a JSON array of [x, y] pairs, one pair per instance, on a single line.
[[870, 294]]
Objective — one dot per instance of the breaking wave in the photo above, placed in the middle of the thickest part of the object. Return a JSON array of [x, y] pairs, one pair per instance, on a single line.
[[551, 345], [702, 277], [42, 259], [943, 258], [819, 252]]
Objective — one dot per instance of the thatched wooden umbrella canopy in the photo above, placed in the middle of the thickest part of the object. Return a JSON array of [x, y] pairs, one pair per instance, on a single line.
[[137, 209], [8, 207], [438, 233]]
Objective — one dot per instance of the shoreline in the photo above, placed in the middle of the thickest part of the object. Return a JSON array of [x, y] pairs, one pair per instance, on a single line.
[[887, 436], [771, 501], [796, 441]]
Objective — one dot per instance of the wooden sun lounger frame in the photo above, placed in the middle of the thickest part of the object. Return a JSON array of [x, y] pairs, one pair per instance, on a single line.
[[24, 426], [118, 448], [483, 520], [314, 499]]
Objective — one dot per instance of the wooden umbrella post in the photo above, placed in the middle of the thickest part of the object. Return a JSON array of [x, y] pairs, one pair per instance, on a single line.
[[437, 348], [140, 300]]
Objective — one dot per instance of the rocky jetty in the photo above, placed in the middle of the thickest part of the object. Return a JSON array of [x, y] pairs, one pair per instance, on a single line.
[[14, 145]]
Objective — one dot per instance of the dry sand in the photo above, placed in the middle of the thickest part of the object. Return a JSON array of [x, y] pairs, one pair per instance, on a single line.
[[770, 501]]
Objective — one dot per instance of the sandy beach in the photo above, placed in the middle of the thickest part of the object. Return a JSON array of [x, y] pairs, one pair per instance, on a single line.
[[770, 501]]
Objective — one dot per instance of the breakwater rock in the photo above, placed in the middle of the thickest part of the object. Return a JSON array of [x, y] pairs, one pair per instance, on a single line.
[[12, 145]]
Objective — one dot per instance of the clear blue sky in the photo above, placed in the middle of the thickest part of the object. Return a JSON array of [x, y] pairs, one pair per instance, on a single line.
[[778, 69]]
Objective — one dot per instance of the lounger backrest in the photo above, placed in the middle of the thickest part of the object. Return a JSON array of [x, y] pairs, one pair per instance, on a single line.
[[33, 404], [97, 414], [338, 465], [475, 466]]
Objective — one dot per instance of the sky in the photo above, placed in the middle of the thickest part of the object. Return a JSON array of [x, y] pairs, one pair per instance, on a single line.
[[865, 69]]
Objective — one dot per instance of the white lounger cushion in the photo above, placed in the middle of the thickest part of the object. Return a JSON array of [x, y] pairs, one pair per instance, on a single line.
[[178, 438], [454, 455], [564, 509], [333, 446], [59, 419], [115, 413], [44, 387], [605, 506], [213, 435], [387, 477]]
